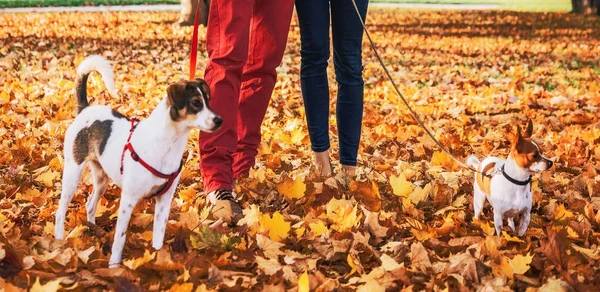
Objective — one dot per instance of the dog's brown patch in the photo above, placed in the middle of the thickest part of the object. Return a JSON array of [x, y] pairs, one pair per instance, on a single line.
[[187, 98], [524, 151], [91, 140], [205, 87], [483, 181]]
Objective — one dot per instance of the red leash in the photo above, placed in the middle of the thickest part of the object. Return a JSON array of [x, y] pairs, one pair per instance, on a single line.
[[194, 46]]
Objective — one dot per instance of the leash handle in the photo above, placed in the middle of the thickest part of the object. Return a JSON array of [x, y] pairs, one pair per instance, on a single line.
[[194, 45], [413, 113]]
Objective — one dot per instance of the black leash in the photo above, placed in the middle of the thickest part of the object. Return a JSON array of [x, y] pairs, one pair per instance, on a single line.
[[412, 112]]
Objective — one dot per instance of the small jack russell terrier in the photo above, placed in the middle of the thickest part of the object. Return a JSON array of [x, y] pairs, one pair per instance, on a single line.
[[143, 159], [507, 184]]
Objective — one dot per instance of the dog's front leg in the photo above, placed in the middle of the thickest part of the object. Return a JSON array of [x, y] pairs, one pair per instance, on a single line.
[[128, 202], [498, 221], [161, 216], [524, 222]]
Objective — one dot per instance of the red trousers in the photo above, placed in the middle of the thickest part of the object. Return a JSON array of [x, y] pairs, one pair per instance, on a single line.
[[245, 41]]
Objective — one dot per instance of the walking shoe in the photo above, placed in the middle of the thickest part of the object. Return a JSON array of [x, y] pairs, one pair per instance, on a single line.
[[225, 206]]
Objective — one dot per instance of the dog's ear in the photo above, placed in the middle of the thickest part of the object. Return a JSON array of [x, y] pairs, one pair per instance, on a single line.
[[176, 98], [529, 130], [518, 138], [204, 87]]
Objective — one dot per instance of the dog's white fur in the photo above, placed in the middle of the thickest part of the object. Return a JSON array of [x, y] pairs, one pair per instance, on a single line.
[[507, 199], [158, 140]]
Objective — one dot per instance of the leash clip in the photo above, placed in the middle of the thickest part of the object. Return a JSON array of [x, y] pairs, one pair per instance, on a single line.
[[497, 171], [134, 155]]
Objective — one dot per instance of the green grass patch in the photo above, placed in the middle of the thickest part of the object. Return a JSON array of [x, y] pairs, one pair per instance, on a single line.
[[522, 5], [49, 3]]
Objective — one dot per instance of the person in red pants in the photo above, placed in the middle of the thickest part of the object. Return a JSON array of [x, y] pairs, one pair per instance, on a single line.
[[245, 40]]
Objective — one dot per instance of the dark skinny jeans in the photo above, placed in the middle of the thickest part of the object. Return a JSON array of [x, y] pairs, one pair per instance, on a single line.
[[347, 34]]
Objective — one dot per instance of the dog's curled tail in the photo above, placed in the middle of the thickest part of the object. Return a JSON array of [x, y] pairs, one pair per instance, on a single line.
[[93, 63], [473, 162]]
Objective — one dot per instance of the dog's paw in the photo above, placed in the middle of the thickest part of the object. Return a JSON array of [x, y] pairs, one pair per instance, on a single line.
[[114, 265]]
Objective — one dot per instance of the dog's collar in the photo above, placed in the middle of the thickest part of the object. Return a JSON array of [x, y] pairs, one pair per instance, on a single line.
[[514, 181], [169, 177]]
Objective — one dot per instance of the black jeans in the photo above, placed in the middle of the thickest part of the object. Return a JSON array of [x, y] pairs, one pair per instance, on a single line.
[[314, 19]]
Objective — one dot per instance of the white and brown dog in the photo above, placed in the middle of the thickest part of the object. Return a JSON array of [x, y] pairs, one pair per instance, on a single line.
[[507, 184], [143, 159]]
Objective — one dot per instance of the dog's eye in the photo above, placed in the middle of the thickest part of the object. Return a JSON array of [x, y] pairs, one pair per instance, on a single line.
[[536, 155], [196, 103]]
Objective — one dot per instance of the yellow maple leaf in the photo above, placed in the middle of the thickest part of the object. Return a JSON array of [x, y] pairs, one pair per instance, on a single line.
[[511, 238], [48, 177], [292, 188], [420, 194], [300, 231], [303, 285], [298, 135], [56, 163], [351, 264], [318, 228], [84, 255], [488, 229], [50, 286], [504, 268], [258, 174], [423, 235], [185, 287], [203, 288], [572, 233], [251, 216], [188, 194], [77, 231], [276, 226], [48, 227], [520, 264], [400, 186], [4, 97], [342, 214], [561, 213], [138, 262], [147, 235], [440, 158]]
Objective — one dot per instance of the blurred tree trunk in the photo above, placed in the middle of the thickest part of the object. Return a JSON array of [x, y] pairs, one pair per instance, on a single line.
[[188, 12], [585, 6]]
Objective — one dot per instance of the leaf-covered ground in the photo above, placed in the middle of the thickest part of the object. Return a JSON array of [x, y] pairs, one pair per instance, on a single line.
[[406, 223]]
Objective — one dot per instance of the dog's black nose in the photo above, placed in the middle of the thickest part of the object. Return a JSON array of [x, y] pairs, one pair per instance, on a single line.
[[218, 121], [550, 163]]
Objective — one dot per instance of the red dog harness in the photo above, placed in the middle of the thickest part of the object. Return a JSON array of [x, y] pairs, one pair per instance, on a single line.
[[169, 177]]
